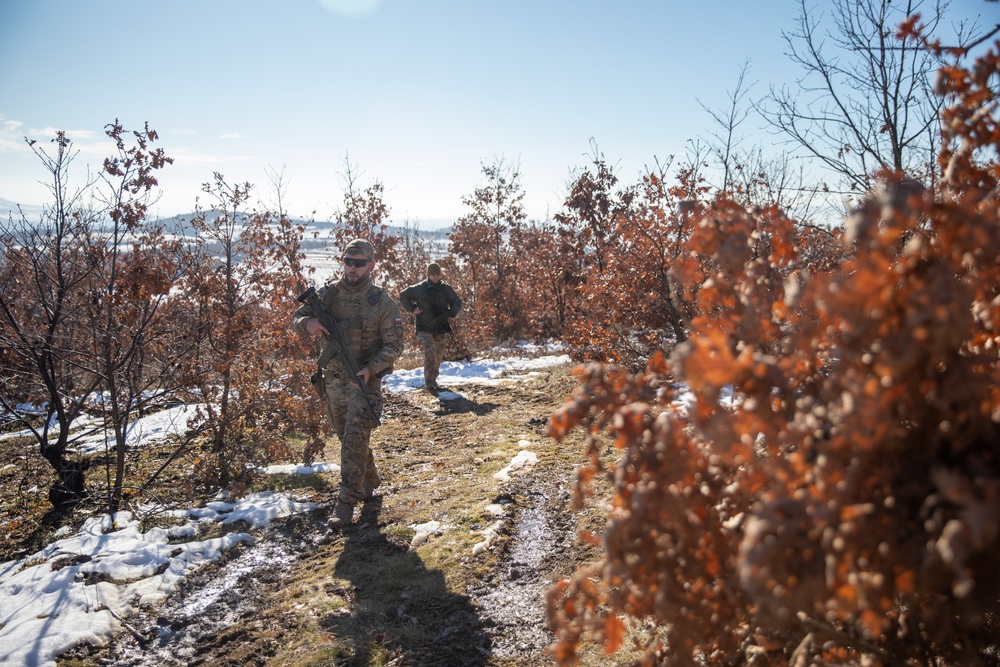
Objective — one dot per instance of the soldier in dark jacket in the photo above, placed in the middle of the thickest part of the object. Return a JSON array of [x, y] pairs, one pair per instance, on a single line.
[[375, 334], [433, 302]]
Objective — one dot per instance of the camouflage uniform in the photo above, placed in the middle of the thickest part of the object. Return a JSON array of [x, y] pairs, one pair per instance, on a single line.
[[438, 303], [375, 340], [433, 345]]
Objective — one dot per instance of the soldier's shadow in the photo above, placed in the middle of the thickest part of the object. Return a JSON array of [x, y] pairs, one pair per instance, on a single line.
[[401, 605], [454, 403]]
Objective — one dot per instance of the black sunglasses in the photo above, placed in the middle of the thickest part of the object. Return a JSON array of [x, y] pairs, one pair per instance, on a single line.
[[356, 263]]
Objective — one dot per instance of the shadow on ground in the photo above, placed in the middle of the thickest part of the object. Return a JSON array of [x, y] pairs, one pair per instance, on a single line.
[[462, 404], [400, 604]]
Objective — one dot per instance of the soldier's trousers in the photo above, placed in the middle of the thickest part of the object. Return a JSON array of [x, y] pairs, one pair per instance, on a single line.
[[434, 345], [352, 422]]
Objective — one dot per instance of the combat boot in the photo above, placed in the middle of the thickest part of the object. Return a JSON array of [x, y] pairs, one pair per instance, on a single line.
[[343, 516]]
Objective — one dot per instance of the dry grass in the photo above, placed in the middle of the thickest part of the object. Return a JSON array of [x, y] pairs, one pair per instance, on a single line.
[[367, 596]]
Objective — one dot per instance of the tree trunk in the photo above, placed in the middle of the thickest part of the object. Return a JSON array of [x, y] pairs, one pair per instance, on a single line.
[[70, 486]]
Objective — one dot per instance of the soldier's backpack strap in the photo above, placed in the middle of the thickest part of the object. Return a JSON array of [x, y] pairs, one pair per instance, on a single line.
[[374, 296]]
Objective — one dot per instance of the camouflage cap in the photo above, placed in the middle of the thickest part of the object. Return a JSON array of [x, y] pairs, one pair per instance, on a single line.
[[361, 247]]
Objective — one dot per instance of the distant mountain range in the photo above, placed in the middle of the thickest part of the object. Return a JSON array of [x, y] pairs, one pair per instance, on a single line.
[[8, 208], [436, 229], [322, 227]]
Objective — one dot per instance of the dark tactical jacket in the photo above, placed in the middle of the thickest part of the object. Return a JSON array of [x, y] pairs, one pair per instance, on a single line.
[[375, 326], [438, 301]]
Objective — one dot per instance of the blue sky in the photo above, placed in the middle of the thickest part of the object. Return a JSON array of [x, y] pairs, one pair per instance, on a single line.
[[418, 93]]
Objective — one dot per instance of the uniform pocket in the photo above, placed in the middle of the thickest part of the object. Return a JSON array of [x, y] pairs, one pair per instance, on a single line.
[[360, 407]]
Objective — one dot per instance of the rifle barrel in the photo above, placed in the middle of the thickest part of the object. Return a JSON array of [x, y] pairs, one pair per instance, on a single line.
[[337, 345]]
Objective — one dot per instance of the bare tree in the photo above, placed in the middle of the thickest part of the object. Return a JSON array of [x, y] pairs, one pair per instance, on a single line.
[[864, 102], [364, 214], [289, 232], [726, 138], [43, 277], [751, 174], [80, 293]]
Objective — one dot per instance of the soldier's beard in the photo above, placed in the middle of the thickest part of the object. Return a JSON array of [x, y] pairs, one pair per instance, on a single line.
[[354, 282]]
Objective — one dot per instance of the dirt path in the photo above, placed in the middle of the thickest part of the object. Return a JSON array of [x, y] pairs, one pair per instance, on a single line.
[[370, 596]]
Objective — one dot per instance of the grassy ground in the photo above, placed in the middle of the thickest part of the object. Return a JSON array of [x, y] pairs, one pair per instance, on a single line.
[[369, 596]]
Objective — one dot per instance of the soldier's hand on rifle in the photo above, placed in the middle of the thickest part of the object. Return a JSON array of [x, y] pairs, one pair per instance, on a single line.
[[364, 374], [314, 326], [418, 310]]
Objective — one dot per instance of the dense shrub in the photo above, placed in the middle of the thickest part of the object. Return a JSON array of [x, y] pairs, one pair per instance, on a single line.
[[842, 503]]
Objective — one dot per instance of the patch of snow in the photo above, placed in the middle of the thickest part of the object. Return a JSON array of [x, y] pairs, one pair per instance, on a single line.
[[497, 509], [489, 535], [483, 371], [77, 589], [424, 531], [294, 469], [266, 507], [524, 459], [26, 410], [535, 348], [143, 431]]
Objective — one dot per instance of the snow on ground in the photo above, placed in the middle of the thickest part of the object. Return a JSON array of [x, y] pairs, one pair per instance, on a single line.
[[295, 469], [480, 371], [521, 462], [489, 536], [83, 586], [90, 438], [79, 588], [423, 531], [524, 459], [25, 409], [143, 431]]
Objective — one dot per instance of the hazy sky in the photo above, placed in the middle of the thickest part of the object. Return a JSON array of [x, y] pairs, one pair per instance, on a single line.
[[418, 93]]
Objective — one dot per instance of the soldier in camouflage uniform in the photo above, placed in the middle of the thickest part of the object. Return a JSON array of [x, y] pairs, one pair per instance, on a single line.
[[375, 334], [434, 302]]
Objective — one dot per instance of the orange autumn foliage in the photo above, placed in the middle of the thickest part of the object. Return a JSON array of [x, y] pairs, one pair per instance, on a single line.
[[831, 495]]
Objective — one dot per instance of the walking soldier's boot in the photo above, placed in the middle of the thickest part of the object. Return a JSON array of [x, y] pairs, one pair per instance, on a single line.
[[343, 516]]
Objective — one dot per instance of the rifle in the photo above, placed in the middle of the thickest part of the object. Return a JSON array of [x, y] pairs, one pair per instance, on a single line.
[[338, 344], [462, 352]]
